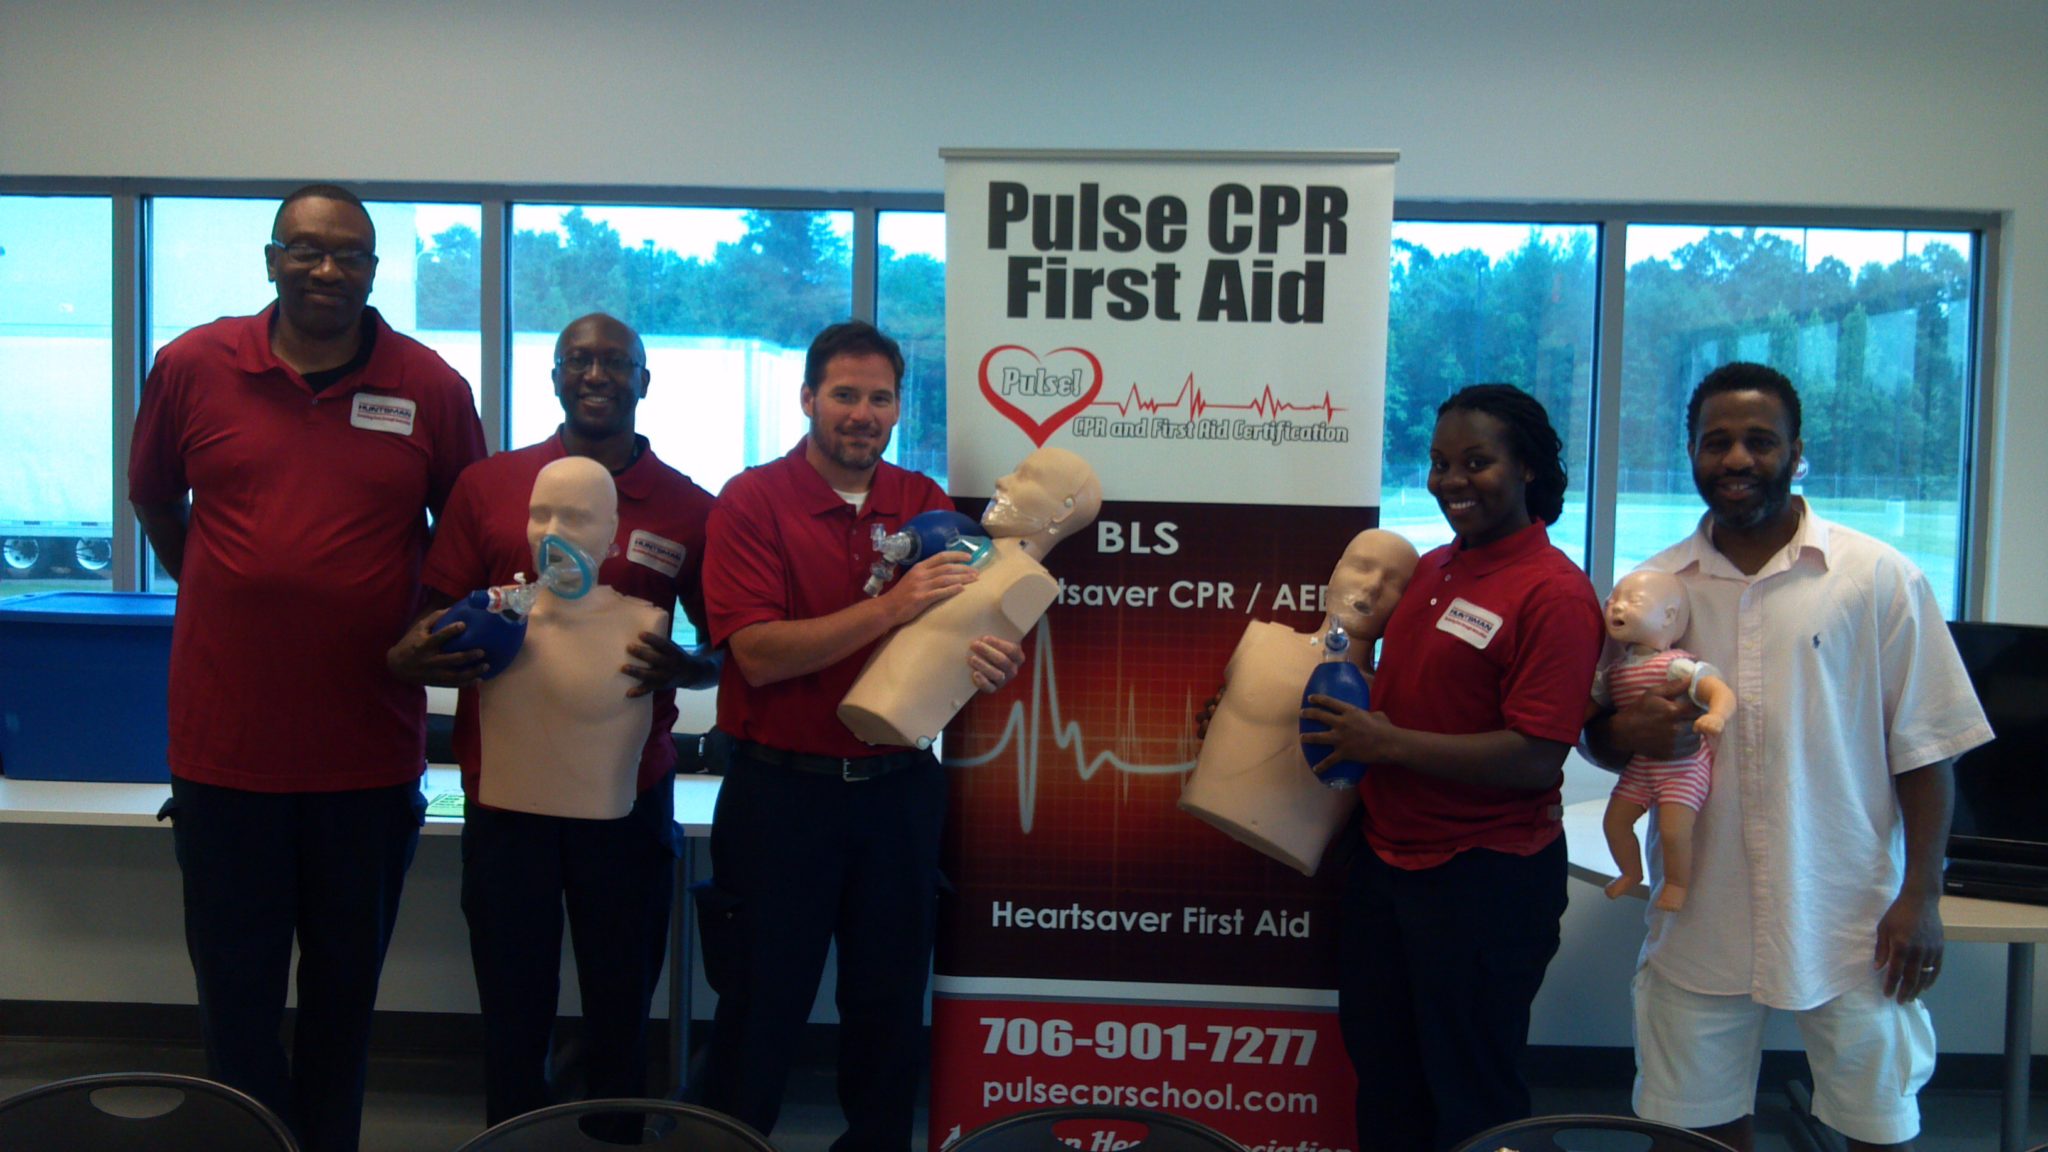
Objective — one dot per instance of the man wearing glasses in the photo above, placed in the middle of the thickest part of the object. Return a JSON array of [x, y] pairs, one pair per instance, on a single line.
[[283, 467], [519, 869]]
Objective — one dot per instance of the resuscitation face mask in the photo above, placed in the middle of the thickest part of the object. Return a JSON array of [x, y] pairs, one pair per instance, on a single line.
[[564, 569], [1002, 508]]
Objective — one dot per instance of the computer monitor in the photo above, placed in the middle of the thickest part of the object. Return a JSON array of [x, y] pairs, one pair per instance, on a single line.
[[2000, 835]]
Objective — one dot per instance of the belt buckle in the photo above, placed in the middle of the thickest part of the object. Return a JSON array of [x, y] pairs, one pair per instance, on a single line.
[[847, 773]]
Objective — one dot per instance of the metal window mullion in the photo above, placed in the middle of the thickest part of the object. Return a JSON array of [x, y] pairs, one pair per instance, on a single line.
[[866, 261], [494, 321], [1603, 487], [130, 352], [1982, 454]]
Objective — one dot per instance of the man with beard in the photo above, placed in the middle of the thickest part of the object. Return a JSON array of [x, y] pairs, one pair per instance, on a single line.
[[818, 836], [520, 870], [1817, 857], [283, 468]]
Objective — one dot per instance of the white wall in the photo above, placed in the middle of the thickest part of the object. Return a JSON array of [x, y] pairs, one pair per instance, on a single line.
[[1882, 103]]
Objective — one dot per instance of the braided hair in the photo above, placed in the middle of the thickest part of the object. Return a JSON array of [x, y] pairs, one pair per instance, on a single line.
[[1530, 437]]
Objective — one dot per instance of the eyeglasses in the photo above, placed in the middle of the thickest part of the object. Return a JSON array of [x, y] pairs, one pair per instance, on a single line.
[[616, 367], [312, 256]]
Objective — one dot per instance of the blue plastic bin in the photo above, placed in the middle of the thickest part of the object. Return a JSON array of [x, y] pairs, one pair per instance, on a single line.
[[83, 677]]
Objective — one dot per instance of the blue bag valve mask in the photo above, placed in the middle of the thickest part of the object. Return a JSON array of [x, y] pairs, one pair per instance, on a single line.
[[925, 534], [1338, 678], [495, 617]]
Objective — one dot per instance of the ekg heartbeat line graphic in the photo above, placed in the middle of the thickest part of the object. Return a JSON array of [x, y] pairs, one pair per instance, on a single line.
[[1022, 730], [1265, 404]]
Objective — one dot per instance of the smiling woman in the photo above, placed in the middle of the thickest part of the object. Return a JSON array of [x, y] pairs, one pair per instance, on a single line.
[[1477, 477], [1484, 673], [1483, 300]]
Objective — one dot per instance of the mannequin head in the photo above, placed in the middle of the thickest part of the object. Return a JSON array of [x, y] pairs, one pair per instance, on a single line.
[[1648, 609], [573, 500], [1368, 581], [1048, 497]]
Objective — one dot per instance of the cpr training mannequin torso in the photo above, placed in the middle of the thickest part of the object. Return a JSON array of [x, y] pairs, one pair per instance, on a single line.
[[560, 735], [1252, 779], [917, 680]]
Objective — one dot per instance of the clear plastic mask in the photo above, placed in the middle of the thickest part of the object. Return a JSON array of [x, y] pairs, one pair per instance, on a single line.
[[565, 570]]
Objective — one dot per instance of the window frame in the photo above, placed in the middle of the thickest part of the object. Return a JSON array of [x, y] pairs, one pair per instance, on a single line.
[[1611, 221]]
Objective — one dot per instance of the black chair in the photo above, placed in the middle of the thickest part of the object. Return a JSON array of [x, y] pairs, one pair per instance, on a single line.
[[596, 1125], [1041, 1130], [1590, 1134], [141, 1112]]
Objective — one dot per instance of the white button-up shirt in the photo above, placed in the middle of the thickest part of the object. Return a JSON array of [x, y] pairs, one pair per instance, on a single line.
[[1844, 675]]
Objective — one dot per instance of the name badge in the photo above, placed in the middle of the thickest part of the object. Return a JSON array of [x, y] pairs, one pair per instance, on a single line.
[[383, 413], [1469, 622], [657, 552]]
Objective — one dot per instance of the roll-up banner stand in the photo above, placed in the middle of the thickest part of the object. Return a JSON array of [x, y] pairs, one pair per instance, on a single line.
[[1208, 330]]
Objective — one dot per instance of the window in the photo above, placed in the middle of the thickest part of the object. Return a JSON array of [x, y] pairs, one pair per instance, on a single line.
[[1874, 322], [1475, 303], [726, 300], [206, 261], [1873, 328], [910, 305], [56, 392]]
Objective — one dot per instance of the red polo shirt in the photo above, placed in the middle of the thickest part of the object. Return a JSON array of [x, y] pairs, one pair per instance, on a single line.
[[302, 555], [784, 546], [481, 541], [1505, 636]]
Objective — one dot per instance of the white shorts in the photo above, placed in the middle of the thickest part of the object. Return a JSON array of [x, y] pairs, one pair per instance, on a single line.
[[1697, 1058]]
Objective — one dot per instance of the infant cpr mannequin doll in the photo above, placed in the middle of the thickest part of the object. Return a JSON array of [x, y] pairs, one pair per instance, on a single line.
[[560, 735], [918, 678], [1647, 613], [1252, 779]]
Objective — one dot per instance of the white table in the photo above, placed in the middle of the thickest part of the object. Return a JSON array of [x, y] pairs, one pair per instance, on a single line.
[[136, 805], [1964, 920]]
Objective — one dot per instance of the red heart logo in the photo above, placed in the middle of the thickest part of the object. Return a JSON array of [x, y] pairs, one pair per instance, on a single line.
[[1039, 431]]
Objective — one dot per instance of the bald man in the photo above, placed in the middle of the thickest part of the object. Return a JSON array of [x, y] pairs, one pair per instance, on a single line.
[[520, 868]]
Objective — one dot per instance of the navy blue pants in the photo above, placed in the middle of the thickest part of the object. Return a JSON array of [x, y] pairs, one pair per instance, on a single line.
[[800, 861], [616, 878], [259, 869], [1439, 967]]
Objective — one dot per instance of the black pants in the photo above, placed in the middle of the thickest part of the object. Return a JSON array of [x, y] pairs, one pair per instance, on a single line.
[[800, 861], [260, 868], [1439, 967], [617, 880]]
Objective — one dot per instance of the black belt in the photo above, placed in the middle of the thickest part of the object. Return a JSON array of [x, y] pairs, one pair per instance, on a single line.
[[849, 768]]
